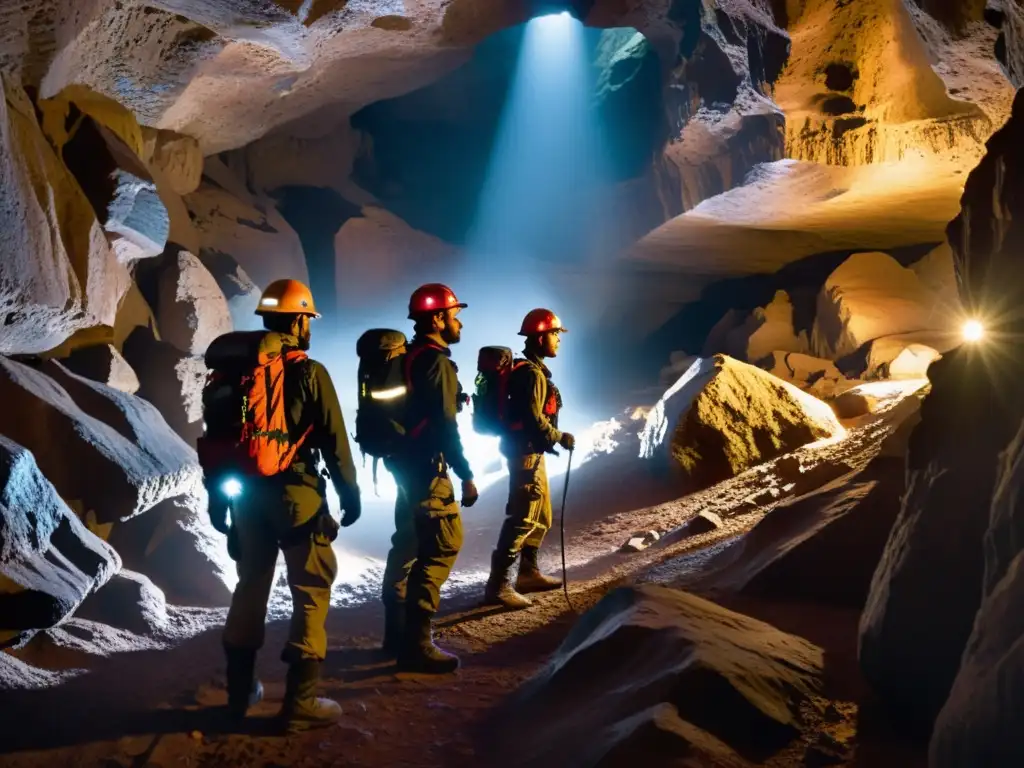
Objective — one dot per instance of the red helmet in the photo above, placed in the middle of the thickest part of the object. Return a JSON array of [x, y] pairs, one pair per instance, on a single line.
[[431, 298], [541, 321]]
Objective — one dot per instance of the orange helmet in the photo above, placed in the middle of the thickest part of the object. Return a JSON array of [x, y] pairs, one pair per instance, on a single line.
[[287, 297], [541, 321], [431, 298]]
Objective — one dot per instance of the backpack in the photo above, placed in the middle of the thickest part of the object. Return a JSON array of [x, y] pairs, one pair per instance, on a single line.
[[244, 410], [383, 392], [490, 401]]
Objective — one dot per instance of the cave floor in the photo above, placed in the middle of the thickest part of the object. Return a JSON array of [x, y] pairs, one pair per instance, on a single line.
[[161, 707]]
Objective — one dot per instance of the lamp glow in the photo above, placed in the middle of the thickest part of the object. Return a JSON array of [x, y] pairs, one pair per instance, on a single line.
[[973, 331], [232, 488]]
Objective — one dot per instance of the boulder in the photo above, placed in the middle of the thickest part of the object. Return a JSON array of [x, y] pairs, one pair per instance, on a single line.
[[49, 560], [241, 293], [249, 229], [906, 356], [191, 310], [723, 682], [935, 547], [724, 416], [869, 296], [175, 546], [703, 522], [981, 720], [133, 312], [103, 363], [822, 547], [171, 380], [129, 601], [854, 404], [936, 273], [101, 143], [57, 272], [109, 451]]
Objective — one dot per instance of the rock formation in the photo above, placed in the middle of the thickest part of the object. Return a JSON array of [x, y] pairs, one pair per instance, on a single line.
[[723, 416]]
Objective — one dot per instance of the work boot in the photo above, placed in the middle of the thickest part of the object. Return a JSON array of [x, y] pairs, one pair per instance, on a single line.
[[244, 690], [301, 709], [419, 654], [530, 578], [394, 628], [499, 587]]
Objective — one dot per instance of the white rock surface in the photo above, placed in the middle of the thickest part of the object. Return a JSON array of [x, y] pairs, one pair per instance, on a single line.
[[104, 364], [57, 273], [49, 560], [869, 296], [109, 451]]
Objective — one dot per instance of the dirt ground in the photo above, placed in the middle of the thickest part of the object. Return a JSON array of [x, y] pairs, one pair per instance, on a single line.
[[160, 708]]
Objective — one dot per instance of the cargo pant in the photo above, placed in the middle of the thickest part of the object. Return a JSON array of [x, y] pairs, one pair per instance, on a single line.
[[528, 515], [267, 520], [428, 534]]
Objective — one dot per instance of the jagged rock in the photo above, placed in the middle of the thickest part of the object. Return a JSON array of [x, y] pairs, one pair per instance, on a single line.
[[704, 522], [57, 273], [250, 230], [170, 379], [678, 363], [49, 561], [241, 293], [725, 416], [103, 363], [936, 272], [869, 296], [128, 601], [980, 722], [175, 157], [846, 104], [756, 337], [109, 451], [175, 546], [727, 683], [377, 250], [906, 355], [103, 150], [821, 547], [799, 369], [935, 547], [191, 310]]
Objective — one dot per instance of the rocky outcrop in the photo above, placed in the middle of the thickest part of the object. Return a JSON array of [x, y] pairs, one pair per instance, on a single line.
[[798, 369], [101, 143], [677, 677], [109, 451], [104, 364], [248, 229], [860, 88], [49, 561], [129, 601], [936, 543], [764, 331], [980, 722], [57, 273], [724, 416], [240, 292], [869, 296], [822, 547], [191, 310], [170, 379]]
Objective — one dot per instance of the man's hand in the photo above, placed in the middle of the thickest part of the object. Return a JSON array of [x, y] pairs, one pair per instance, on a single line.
[[568, 441], [351, 512], [469, 493]]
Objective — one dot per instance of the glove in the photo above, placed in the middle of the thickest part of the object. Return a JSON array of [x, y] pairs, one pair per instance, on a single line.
[[351, 507], [218, 516], [469, 493], [329, 527], [568, 441]]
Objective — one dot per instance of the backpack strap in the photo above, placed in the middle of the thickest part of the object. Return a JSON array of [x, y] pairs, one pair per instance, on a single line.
[[410, 356], [291, 357], [518, 426]]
